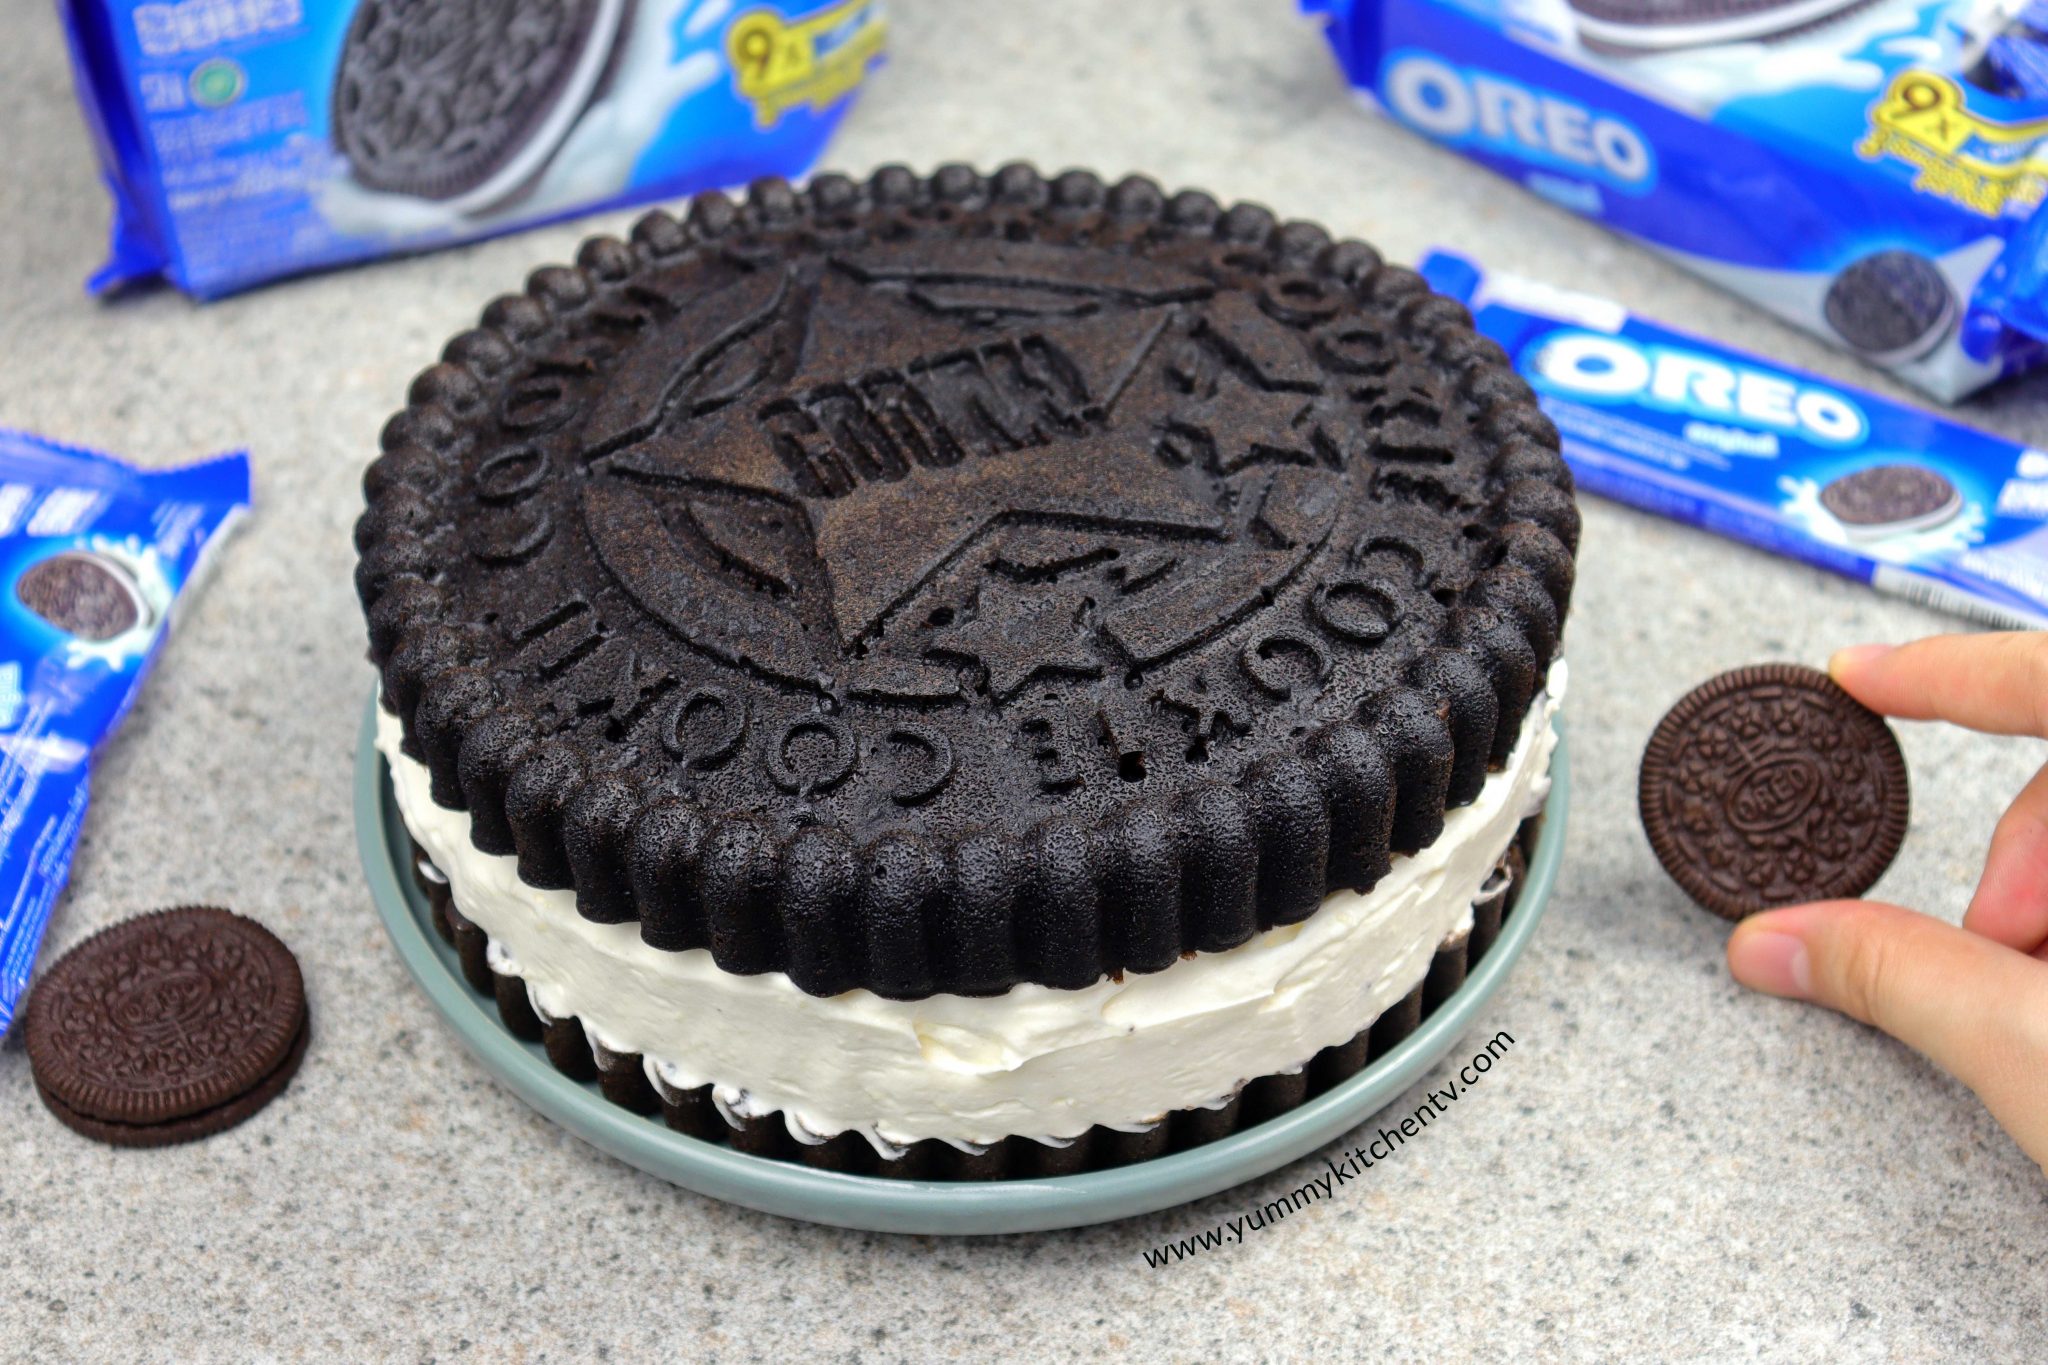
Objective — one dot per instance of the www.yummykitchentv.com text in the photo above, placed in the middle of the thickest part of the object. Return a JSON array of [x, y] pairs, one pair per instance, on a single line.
[[1342, 1170]]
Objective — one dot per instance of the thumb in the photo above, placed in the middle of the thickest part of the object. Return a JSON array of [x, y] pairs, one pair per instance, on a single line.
[[1977, 1008]]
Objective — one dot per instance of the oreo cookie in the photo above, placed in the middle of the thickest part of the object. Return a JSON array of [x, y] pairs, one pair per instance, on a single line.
[[1891, 306], [1770, 786], [1891, 499], [168, 1027], [939, 584], [465, 101], [82, 594], [1643, 27]]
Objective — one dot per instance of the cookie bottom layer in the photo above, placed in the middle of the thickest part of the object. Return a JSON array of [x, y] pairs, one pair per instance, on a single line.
[[1044, 1062], [625, 1080]]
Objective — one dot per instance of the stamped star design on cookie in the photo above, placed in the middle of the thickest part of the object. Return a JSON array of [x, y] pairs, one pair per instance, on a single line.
[[950, 432], [1249, 407], [822, 443], [1017, 637], [1236, 405]]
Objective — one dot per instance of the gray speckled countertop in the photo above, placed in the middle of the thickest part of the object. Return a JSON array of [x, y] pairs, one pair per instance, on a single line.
[[1663, 1164]]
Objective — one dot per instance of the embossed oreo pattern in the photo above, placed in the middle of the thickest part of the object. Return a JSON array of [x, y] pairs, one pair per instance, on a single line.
[[432, 97], [935, 584], [163, 1016], [201, 1124], [1770, 786]]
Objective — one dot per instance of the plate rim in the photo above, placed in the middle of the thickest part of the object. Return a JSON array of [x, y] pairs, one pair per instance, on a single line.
[[931, 1207]]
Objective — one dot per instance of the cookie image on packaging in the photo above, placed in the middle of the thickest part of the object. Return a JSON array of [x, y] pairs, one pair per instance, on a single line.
[[1891, 307], [464, 102], [83, 594], [1890, 499], [1626, 28]]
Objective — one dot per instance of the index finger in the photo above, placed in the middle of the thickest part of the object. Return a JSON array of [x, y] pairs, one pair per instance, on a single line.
[[1996, 683]]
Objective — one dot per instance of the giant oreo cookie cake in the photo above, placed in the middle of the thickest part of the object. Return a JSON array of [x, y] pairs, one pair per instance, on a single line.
[[969, 675]]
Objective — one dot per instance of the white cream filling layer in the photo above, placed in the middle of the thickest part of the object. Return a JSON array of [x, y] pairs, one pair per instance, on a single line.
[[1045, 1063]]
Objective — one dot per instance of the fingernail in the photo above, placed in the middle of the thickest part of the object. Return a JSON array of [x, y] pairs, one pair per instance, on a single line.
[[1774, 963], [1855, 656]]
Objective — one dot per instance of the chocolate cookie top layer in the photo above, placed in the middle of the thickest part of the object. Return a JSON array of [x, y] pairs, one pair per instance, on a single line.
[[433, 98], [1890, 495], [1770, 786], [164, 1017], [80, 594], [935, 584]]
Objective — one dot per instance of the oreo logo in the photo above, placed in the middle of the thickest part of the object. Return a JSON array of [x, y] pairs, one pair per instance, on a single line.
[[1614, 369], [1775, 794], [1494, 113]]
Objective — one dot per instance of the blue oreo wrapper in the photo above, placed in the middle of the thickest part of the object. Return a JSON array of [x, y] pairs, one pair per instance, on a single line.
[[248, 140], [1916, 505], [1868, 170], [94, 557]]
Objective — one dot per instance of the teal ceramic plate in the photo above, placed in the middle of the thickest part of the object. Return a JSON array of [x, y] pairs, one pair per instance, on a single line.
[[880, 1205]]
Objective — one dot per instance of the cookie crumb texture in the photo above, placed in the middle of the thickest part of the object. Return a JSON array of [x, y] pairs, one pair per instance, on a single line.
[[1771, 786], [937, 584]]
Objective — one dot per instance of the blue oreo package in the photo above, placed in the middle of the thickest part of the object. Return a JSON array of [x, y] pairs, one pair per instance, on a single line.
[[1868, 170], [245, 140], [94, 555], [1916, 505]]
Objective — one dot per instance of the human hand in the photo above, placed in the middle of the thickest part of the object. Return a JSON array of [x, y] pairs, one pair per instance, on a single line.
[[1973, 999]]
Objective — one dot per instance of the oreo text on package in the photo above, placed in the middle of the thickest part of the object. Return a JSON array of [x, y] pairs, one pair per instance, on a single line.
[[1867, 171], [1918, 506]]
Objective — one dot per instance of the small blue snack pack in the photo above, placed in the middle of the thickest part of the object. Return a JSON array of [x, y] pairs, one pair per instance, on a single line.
[[246, 140], [93, 557], [1868, 170], [1918, 506]]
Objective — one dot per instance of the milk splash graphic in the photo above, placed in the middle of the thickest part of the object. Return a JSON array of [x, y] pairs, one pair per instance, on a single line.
[[1803, 508], [144, 569]]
